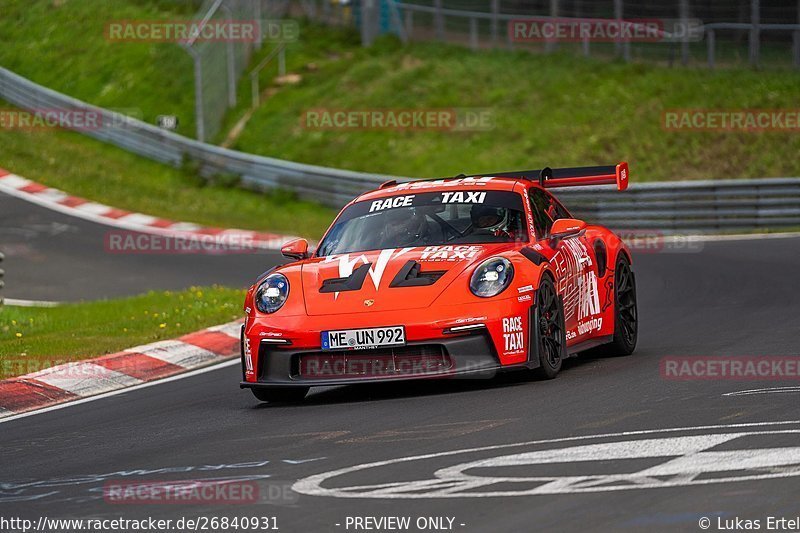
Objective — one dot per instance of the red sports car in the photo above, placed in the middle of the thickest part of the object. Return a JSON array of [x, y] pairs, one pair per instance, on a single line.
[[442, 278]]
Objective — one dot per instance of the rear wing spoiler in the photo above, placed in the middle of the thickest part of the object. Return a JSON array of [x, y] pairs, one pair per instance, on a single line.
[[550, 178]]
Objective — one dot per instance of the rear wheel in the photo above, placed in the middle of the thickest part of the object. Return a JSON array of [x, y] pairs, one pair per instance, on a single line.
[[626, 316], [551, 336], [281, 395]]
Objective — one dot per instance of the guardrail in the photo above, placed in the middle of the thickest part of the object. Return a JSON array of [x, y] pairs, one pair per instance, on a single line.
[[693, 206], [326, 185], [706, 206]]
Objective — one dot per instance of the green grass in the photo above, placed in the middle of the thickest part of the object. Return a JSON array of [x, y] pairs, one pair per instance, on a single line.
[[556, 110], [62, 44], [36, 338], [103, 173]]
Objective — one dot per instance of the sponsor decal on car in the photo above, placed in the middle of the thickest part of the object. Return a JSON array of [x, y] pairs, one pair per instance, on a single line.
[[524, 298], [441, 183], [449, 253], [524, 289], [470, 320], [248, 355], [589, 301], [376, 271], [577, 281], [463, 197], [513, 335], [590, 325], [389, 203]]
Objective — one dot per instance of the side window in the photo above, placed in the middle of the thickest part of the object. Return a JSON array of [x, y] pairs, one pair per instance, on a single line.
[[541, 205], [559, 210]]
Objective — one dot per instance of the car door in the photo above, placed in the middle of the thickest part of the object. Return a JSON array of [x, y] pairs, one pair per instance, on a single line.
[[573, 261]]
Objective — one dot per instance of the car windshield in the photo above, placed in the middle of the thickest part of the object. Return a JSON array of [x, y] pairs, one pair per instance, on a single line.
[[427, 219]]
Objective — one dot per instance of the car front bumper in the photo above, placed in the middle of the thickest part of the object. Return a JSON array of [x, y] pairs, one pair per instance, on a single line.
[[445, 342]]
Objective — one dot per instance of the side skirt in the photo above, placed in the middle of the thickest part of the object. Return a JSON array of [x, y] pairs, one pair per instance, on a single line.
[[588, 345]]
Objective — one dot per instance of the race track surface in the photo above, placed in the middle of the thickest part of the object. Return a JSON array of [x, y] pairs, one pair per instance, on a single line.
[[730, 299], [56, 257]]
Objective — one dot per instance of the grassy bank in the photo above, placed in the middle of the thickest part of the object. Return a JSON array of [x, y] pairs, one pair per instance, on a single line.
[[36, 338], [557, 110], [62, 44], [103, 173]]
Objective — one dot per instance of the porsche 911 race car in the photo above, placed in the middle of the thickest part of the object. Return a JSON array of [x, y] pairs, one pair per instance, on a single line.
[[443, 278]]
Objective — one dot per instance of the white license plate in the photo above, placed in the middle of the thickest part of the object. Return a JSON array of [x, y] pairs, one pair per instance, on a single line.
[[350, 339]]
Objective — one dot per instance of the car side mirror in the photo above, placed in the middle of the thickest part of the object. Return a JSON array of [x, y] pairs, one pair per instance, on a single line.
[[566, 227], [296, 249]]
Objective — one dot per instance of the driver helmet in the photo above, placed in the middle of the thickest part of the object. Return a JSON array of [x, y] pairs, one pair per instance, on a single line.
[[492, 219]]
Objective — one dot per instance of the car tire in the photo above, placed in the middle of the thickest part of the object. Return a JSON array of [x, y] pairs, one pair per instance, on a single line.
[[281, 395], [626, 315], [550, 333]]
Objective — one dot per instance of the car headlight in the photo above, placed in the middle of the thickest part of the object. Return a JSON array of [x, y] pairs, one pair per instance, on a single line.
[[492, 277], [272, 293]]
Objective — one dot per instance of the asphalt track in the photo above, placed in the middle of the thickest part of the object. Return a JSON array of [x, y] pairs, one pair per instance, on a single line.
[[56, 257], [731, 298]]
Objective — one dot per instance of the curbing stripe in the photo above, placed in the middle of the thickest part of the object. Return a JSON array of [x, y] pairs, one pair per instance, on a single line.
[[138, 218], [177, 353], [12, 180], [231, 329], [84, 378], [96, 212], [129, 368], [16, 396], [139, 366], [92, 208], [213, 341]]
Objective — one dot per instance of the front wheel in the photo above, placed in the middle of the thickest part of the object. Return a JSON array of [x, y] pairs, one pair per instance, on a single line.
[[281, 395], [550, 332]]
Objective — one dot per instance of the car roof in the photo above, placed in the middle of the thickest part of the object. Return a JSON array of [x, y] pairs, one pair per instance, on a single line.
[[487, 183]]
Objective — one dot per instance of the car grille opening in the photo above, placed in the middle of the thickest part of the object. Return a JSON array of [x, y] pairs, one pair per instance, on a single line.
[[403, 361]]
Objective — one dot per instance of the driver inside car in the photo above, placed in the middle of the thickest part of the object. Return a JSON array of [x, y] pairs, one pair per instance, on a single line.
[[490, 220], [404, 228]]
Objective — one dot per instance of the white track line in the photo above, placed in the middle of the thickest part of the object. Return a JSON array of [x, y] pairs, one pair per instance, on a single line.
[[769, 390], [211, 368], [29, 303]]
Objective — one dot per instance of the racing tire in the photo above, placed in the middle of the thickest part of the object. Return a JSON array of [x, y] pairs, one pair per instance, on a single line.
[[626, 314], [281, 395], [551, 332]]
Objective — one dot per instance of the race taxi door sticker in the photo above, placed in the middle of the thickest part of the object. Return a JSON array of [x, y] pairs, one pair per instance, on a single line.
[[248, 358], [450, 253], [513, 336], [578, 286]]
